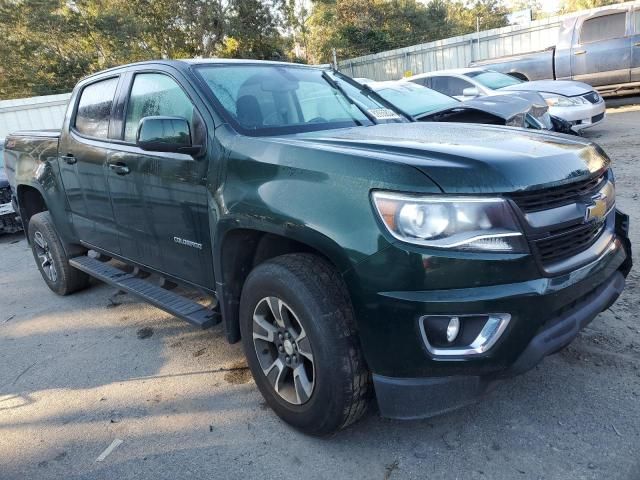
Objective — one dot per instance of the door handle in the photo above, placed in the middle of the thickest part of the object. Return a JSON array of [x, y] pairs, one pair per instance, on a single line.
[[637, 44], [579, 52], [69, 158], [119, 168]]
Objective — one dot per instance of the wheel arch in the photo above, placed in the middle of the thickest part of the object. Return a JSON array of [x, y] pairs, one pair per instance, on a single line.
[[241, 248], [31, 200]]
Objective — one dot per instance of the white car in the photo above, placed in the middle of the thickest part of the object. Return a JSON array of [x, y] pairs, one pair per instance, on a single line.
[[575, 102]]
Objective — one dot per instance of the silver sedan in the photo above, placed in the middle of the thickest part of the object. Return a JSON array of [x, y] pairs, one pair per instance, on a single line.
[[576, 102]]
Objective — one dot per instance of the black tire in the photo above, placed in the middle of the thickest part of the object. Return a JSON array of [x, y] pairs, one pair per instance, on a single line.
[[315, 294], [51, 258]]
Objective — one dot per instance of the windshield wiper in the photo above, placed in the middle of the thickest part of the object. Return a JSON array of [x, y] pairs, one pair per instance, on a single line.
[[367, 91], [327, 78]]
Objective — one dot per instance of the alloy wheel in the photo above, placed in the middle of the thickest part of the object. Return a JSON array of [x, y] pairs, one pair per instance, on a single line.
[[43, 253], [283, 350]]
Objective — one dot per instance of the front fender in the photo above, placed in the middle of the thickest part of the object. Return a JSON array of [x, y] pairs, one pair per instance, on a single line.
[[307, 193]]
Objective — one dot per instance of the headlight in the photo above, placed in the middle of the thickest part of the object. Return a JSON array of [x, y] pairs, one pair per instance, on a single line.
[[456, 223], [555, 100]]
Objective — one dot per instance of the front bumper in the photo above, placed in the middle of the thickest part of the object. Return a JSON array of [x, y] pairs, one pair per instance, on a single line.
[[581, 117], [547, 314], [408, 398]]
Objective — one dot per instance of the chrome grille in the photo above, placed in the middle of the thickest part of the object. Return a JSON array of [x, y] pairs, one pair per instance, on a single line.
[[571, 235], [548, 198], [567, 243], [593, 97]]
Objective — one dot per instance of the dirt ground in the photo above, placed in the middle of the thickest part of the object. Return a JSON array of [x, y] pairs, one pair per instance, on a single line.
[[76, 373]]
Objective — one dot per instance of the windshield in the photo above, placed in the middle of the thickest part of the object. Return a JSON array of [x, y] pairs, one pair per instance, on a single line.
[[494, 80], [414, 99], [277, 99]]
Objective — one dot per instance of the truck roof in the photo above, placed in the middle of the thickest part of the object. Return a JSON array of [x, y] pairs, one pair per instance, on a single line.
[[182, 62]]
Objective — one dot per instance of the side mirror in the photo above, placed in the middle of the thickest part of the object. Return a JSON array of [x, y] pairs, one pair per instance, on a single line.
[[166, 134], [471, 92]]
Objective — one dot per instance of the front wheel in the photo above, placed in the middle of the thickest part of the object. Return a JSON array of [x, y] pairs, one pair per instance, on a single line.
[[299, 337]]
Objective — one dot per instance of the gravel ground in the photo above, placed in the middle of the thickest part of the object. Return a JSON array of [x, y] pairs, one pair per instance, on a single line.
[[78, 372]]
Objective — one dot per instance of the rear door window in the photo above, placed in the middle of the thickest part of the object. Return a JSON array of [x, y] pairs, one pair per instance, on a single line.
[[451, 86], [94, 108], [424, 81], [603, 28], [636, 21]]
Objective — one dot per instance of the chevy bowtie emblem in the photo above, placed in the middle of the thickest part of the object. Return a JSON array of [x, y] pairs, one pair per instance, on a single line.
[[597, 210]]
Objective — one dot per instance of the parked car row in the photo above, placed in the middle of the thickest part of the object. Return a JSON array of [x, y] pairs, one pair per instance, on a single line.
[[476, 95], [575, 102], [426, 105]]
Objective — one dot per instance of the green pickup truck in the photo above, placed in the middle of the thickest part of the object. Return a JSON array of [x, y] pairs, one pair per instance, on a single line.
[[354, 253]]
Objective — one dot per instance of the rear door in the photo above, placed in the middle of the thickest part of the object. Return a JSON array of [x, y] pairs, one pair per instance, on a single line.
[[160, 200], [601, 51], [635, 47], [84, 148]]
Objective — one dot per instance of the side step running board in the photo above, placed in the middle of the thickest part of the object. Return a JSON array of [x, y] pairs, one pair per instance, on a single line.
[[171, 302]]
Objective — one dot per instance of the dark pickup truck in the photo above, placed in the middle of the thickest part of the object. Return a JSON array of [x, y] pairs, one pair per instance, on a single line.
[[351, 251]]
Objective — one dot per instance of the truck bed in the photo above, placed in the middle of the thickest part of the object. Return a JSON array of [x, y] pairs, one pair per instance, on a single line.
[[538, 65], [32, 147]]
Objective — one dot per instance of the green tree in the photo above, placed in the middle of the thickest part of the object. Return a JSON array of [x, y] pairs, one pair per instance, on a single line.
[[465, 15], [254, 25], [48, 45], [296, 18], [361, 27], [569, 6]]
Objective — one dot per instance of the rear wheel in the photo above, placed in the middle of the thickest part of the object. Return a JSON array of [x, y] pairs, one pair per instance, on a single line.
[[51, 258], [299, 336]]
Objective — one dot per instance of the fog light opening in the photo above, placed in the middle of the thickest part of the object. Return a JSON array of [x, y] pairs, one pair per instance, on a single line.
[[453, 329], [462, 335]]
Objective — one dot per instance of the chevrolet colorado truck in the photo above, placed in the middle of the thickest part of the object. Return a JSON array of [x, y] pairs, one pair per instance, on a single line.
[[352, 252], [601, 48]]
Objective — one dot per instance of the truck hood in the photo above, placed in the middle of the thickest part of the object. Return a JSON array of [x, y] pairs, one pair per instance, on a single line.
[[466, 158], [568, 88]]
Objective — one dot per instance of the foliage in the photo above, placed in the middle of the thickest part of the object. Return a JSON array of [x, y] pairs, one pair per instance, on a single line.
[[361, 27], [569, 6], [48, 45]]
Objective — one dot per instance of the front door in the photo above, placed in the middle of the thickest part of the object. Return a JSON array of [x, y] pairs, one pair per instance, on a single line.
[[160, 200], [84, 149], [601, 53]]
